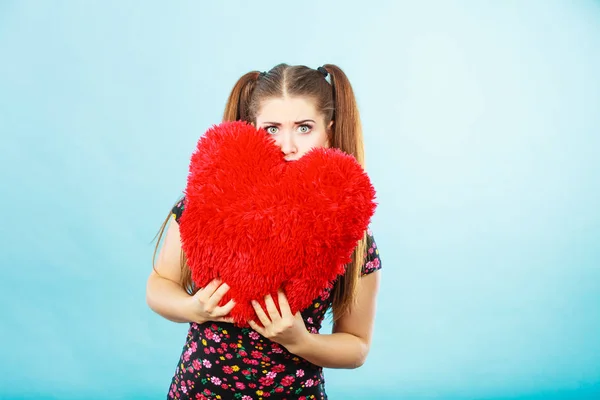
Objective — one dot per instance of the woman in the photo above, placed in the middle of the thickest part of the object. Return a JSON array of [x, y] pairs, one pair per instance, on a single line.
[[285, 357]]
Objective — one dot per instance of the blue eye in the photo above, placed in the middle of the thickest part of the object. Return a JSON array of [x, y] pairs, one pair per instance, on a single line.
[[304, 128]]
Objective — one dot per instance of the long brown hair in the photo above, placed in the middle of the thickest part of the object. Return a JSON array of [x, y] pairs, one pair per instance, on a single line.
[[336, 102]]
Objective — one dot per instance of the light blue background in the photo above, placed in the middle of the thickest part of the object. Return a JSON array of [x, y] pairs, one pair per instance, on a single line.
[[482, 132]]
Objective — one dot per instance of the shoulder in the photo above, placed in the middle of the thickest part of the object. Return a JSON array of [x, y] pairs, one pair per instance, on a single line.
[[177, 209], [372, 261]]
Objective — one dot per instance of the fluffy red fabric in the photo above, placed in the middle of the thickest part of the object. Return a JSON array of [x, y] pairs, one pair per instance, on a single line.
[[260, 223]]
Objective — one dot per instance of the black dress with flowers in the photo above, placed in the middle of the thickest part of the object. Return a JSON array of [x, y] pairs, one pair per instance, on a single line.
[[223, 361]]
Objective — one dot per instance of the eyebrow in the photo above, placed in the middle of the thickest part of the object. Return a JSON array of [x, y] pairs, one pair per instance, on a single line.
[[295, 123]]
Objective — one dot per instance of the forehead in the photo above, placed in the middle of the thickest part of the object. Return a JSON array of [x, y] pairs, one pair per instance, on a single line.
[[286, 109]]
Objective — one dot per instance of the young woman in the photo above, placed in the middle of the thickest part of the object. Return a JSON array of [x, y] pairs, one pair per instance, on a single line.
[[283, 359]]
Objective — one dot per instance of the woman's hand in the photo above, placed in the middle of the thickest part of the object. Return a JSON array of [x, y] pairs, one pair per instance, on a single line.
[[203, 306], [282, 327]]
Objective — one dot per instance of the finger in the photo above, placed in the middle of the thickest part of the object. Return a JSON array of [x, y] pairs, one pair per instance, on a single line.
[[272, 308], [284, 305], [260, 313], [224, 310], [256, 327], [216, 297], [207, 291]]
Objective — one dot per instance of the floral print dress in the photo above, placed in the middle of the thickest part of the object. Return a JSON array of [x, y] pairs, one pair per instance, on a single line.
[[223, 361]]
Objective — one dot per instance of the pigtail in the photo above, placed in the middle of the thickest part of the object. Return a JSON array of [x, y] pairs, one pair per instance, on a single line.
[[347, 127], [347, 136], [238, 103]]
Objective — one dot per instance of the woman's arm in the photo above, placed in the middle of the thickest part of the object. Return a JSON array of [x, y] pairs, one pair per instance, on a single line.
[[349, 343], [166, 296], [164, 293]]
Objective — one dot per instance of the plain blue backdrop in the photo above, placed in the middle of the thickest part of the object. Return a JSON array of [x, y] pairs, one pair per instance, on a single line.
[[482, 129]]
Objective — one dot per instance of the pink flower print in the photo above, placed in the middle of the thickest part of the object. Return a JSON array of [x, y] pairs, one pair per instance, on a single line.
[[196, 364], [278, 368], [371, 250], [244, 397], [266, 381], [217, 338], [300, 373], [309, 320], [287, 380], [228, 356], [271, 374], [309, 383], [206, 363], [215, 380], [194, 346], [256, 354], [243, 353], [254, 335], [240, 385]]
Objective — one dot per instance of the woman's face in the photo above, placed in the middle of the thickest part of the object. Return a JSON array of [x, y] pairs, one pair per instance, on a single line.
[[294, 124]]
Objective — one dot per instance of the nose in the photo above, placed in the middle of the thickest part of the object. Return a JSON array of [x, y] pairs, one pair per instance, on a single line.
[[287, 144]]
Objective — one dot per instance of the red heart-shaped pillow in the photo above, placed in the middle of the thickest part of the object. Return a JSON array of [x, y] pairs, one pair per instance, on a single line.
[[260, 223]]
